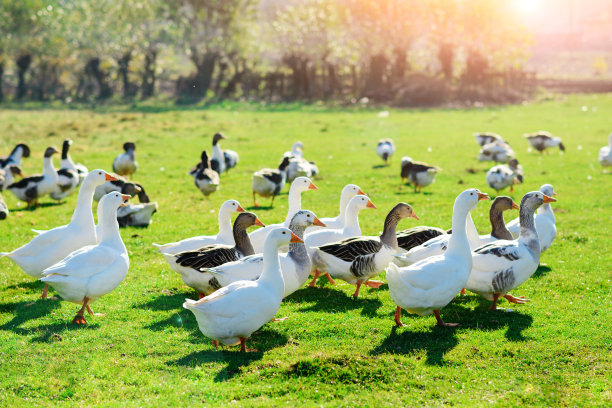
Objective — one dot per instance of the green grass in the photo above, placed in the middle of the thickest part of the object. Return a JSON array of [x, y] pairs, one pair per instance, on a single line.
[[333, 350]]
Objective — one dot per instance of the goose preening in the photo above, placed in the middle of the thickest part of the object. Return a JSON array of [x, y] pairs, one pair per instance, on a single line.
[[542, 140], [348, 192], [497, 151], [8, 175], [501, 266], [222, 160], [297, 150], [385, 149], [190, 264], [483, 138], [4, 211], [356, 260], [605, 153], [120, 185], [67, 162], [270, 182], [68, 177], [30, 189], [545, 222], [20, 151], [295, 264], [136, 215], [417, 173], [505, 175], [206, 179], [94, 270], [225, 235], [427, 286], [125, 164], [324, 236], [55, 244], [231, 314], [298, 186]]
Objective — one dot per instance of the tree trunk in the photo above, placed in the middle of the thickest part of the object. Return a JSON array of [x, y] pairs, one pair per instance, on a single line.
[[124, 69], [355, 80], [1, 76], [399, 66], [204, 75], [147, 88], [93, 68], [446, 56], [23, 63], [375, 83], [332, 81]]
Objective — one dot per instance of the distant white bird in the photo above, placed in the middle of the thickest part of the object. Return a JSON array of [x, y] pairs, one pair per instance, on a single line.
[[483, 138], [222, 160], [30, 189], [270, 182], [385, 149], [206, 179], [417, 173], [605, 154], [502, 176], [497, 151], [125, 164], [543, 140]]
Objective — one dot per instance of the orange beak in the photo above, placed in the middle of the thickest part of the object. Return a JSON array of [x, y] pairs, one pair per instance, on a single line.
[[295, 239], [239, 209], [548, 199], [318, 222], [125, 198], [361, 192], [109, 177], [413, 215], [483, 196], [515, 206], [370, 204], [311, 186], [258, 223]]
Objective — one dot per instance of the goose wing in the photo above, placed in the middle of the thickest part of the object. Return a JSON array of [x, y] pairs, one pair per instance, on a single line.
[[207, 257], [84, 262], [412, 237], [351, 248]]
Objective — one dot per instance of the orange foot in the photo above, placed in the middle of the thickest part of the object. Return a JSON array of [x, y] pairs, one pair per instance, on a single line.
[[330, 279], [201, 295], [216, 344], [373, 284], [314, 280], [462, 291], [79, 319], [520, 300], [442, 323], [398, 317]]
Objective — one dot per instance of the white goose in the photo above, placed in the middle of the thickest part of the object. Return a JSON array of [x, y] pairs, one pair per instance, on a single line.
[[8, 173], [348, 192], [298, 186], [94, 270], [356, 260], [427, 286], [205, 178], [295, 264], [270, 182], [67, 162], [605, 153], [30, 189], [501, 176], [497, 151], [54, 245], [544, 221], [483, 138], [233, 313], [385, 149], [325, 236], [499, 267], [542, 140], [224, 236], [125, 164]]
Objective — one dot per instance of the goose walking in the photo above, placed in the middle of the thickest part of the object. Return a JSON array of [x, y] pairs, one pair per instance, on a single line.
[[496, 151], [125, 164], [8, 174], [30, 189], [222, 160], [205, 178], [605, 153], [483, 138], [270, 182], [501, 176], [231, 314], [385, 149], [543, 140], [67, 162], [417, 173]]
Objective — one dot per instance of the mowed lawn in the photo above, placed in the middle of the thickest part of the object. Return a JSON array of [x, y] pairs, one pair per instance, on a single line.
[[333, 350]]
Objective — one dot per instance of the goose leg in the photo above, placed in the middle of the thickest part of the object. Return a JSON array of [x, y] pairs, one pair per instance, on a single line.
[[330, 279], [80, 318], [373, 284], [255, 200], [45, 291], [398, 317], [520, 300], [243, 345], [312, 283], [272, 202], [216, 344], [462, 291], [91, 312], [442, 323], [201, 295], [494, 305], [356, 294]]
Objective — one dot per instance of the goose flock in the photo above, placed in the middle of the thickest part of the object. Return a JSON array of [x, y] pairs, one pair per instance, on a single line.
[[242, 277]]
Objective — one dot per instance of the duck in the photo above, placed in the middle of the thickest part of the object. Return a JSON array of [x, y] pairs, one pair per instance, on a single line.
[[427, 286], [205, 178], [483, 138], [497, 151], [542, 140], [270, 182], [356, 260], [125, 164], [136, 215], [4, 211], [298, 186], [502, 176], [544, 221], [20, 151], [222, 160], [605, 153], [120, 185], [50, 247], [348, 192], [95, 269], [8, 173], [501, 266], [30, 189], [189, 264], [67, 162], [231, 314], [350, 229], [225, 235], [295, 264], [417, 173], [385, 149]]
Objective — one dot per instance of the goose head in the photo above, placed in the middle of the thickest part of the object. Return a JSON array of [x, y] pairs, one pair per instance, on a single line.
[[204, 159], [25, 149], [129, 146], [360, 202], [130, 188], [98, 177], [351, 190], [303, 184], [470, 198], [282, 236], [548, 190], [231, 206], [535, 199], [15, 170], [284, 163], [50, 151], [503, 203], [246, 220], [112, 201], [65, 147], [218, 136], [304, 219], [406, 160], [402, 210]]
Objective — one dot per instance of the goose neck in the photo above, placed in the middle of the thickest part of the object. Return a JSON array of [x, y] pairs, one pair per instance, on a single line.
[[271, 274], [470, 228], [458, 244], [82, 213], [295, 204], [344, 201], [109, 231], [351, 222], [388, 236], [528, 234], [242, 240], [498, 226], [48, 169], [225, 223], [297, 250]]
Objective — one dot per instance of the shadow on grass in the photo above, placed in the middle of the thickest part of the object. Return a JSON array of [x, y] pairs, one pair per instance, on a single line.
[[168, 302], [262, 340], [380, 166], [541, 271], [41, 205], [32, 287], [334, 301]]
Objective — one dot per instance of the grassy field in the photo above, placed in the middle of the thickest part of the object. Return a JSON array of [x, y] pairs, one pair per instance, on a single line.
[[333, 350]]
